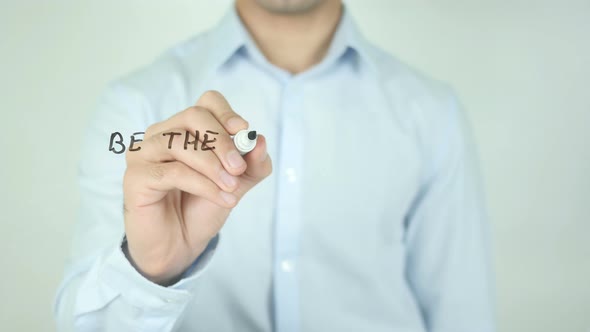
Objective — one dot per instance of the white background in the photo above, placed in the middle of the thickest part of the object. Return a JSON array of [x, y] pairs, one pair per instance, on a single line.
[[522, 69]]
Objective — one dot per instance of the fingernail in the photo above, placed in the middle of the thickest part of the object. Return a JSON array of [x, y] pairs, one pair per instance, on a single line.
[[264, 156], [228, 198], [236, 123], [228, 179], [234, 159]]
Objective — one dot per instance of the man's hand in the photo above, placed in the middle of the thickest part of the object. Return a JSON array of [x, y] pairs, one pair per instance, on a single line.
[[177, 200]]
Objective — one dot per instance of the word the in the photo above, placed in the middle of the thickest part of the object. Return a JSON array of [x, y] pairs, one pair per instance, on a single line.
[[117, 139]]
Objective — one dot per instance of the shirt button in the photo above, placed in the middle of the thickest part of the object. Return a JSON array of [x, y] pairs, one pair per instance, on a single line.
[[291, 176], [287, 266]]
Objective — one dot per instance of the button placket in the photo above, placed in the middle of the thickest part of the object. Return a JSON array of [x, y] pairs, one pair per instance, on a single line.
[[288, 210]]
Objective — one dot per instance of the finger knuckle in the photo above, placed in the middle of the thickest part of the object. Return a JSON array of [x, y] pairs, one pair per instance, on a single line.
[[197, 115], [211, 95], [223, 117], [233, 204], [192, 110], [194, 115]]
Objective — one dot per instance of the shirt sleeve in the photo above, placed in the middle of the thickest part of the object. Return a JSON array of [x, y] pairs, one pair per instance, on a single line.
[[447, 236], [101, 290]]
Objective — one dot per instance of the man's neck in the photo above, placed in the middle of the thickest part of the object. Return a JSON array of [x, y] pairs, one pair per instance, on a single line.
[[293, 42]]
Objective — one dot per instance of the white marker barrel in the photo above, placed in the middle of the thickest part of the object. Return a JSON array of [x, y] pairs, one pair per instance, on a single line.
[[245, 140]]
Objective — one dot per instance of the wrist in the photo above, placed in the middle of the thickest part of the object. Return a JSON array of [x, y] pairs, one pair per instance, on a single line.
[[155, 270]]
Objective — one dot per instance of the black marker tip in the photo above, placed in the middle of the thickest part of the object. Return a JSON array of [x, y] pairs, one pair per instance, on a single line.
[[252, 135]]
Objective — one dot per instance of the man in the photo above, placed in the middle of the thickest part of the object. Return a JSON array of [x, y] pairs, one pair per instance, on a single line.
[[371, 220]]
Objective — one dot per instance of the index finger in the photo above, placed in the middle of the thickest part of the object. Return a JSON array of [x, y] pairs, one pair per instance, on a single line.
[[216, 103]]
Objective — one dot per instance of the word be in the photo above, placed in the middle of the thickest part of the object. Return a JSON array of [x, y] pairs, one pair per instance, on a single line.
[[117, 139]]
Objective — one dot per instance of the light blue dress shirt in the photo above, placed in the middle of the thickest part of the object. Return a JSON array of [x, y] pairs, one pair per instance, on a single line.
[[371, 221]]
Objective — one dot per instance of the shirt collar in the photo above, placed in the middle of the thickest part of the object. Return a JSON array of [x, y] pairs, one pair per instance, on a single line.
[[230, 36]]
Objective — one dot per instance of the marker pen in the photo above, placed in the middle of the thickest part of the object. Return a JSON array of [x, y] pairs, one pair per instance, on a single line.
[[245, 140]]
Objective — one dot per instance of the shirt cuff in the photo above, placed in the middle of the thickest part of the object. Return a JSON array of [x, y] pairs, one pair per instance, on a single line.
[[118, 273]]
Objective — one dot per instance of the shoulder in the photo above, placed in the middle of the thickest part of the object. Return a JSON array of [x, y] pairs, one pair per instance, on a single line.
[[427, 108], [415, 95], [166, 83], [406, 82], [170, 67]]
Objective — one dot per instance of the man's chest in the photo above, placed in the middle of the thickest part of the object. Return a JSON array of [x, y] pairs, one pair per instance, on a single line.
[[340, 155]]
